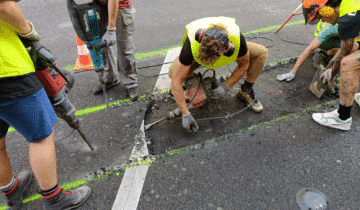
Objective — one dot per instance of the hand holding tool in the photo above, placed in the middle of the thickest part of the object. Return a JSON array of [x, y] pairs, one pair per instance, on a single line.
[[189, 123], [287, 76], [110, 37], [32, 35], [218, 90], [326, 76]]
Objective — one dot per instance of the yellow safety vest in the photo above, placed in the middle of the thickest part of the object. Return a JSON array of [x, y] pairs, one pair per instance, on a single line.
[[319, 27], [14, 58], [206, 23], [349, 6]]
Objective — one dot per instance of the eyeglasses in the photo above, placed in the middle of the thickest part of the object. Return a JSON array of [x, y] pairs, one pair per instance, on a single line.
[[311, 15]]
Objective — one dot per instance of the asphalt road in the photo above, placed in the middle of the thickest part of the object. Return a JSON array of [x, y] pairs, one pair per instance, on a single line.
[[235, 172]]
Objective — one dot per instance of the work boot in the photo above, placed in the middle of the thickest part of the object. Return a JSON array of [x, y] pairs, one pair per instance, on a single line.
[[65, 200], [98, 90], [321, 58], [249, 97], [14, 197], [133, 93]]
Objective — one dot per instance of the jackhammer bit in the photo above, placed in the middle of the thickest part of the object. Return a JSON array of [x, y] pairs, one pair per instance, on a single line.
[[66, 111]]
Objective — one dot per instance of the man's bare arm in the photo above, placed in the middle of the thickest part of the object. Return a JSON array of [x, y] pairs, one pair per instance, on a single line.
[[113, 8], [346, 47], [12, 16]]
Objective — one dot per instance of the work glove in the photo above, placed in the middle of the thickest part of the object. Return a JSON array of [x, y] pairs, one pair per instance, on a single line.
[[188, 121], [327, 77], [110, 37], [33, 35], [219, 91], [287, 76]]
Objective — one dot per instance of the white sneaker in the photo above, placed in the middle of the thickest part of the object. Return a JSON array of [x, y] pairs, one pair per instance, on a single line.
[[357, 98], [331, 119]]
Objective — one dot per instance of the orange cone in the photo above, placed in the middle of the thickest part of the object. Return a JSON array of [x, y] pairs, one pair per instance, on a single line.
[[83, 62]]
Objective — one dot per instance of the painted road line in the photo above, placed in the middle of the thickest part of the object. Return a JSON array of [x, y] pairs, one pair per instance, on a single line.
[[163, 82], [131, 186], [130, 189]]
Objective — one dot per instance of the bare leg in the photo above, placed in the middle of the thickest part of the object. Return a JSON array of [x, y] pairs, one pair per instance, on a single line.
[[5, 165], [42, 157], [349, 78], [258, 57]]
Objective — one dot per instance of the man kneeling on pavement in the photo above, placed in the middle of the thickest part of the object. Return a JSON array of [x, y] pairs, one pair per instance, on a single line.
[[346, 13], [214, 42]]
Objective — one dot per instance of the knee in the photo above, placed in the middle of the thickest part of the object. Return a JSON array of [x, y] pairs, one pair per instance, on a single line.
[[346, 63]]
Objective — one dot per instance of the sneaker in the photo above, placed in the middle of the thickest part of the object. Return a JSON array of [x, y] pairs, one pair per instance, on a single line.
[[15, 197], [357, 98], [255, 105], [65, 200], [331, 119], [321, 58], [133, 94], [98, 90]]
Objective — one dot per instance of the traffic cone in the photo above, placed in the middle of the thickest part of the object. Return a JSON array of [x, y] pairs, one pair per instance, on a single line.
[[83, 62]]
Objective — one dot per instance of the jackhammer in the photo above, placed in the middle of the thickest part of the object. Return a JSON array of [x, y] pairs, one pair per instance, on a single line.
[[89, 19], [53, 78], [197, 93]]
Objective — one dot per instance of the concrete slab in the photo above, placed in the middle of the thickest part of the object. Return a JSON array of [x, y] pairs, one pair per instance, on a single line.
[[278, 99], [260, 169]]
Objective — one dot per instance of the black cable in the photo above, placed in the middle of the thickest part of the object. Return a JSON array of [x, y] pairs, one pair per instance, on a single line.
[[229, 115], [65, 136], [257, 37]]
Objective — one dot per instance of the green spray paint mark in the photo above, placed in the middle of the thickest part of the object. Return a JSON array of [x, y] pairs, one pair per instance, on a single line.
[[93, 109], [273, 27], [142, 55], [81, 182]]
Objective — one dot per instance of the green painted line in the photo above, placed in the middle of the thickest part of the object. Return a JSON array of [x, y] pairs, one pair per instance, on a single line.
[[274, 27], [81, 182], [143, 55], [245, 130], [93, 109]]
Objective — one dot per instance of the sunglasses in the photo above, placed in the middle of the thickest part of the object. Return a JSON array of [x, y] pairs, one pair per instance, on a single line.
[[311, 15]]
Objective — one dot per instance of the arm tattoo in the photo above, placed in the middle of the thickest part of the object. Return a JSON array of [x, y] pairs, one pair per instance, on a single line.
[[346, 47]]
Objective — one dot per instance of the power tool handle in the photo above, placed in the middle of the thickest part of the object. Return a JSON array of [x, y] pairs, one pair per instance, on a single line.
[[193, 129], [100, 45]]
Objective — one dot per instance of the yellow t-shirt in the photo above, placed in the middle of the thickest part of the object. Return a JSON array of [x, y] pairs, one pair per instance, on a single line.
[[14, 58]]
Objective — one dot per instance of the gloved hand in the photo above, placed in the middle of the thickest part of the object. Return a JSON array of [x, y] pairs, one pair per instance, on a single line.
[[33, 35], [110, 37], [188, 121], [326, 76], [287, 76], [219, 92]]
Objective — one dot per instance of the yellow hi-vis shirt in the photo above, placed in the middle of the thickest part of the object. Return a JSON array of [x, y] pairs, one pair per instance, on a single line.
[[206, 23], [14, 58], [349, 6]]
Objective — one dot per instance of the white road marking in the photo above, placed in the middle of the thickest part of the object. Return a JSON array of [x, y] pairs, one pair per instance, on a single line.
[[131, 186], [163, 82]]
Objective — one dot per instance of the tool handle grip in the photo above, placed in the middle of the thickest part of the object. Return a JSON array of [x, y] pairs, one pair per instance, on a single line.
[[193, 129], [100, 45]]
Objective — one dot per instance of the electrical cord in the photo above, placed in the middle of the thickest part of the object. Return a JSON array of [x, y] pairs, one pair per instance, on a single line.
[[257, 37], [229, 115], [65, 136]]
